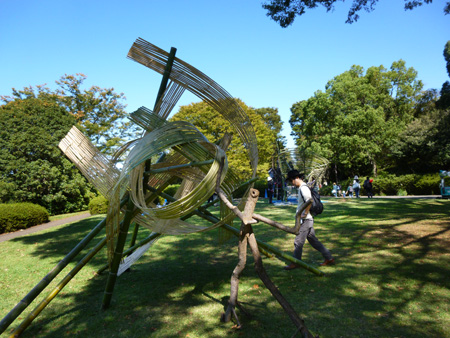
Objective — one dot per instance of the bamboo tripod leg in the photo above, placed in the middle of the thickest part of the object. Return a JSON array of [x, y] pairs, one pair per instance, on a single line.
[[242, 253], [23, 304], [112, 277], [247, 235], [298, 322], [27, 321]]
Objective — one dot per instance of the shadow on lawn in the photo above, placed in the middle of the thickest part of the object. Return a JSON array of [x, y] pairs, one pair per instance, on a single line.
[[402, 249], [187, 279], [178, 277]]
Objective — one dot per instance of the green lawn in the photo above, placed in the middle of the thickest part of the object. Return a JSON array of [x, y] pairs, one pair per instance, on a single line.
[[391, 278]]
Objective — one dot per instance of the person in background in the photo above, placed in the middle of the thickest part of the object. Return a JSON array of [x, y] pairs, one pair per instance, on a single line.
[[356, 187], [350, 191], [335, 189], [307, 228], [270, 189], [367, 185]]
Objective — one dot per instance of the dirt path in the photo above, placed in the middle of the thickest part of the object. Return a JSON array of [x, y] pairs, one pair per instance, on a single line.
[[10, 235]]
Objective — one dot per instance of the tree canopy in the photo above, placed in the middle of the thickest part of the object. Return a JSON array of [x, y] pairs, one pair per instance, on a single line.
[[98, 112], [266, 122], [34, 120], [359, 118], [32, 168], [284, 12]]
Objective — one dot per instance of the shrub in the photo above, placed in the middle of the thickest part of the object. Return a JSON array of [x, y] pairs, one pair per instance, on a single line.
[[326, 190], [16, 216], [98, 205], [171, 189], [261, 185], [412, 184]]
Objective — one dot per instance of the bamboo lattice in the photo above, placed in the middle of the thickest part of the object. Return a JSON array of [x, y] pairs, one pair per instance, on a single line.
[[178, 144]]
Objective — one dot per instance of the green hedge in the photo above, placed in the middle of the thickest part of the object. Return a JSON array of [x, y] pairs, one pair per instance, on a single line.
[[16, 216], [389, 184], [98, 205], [413, 184]]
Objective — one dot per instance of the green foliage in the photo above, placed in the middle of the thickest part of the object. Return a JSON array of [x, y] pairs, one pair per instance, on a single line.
[[97, 111], [413, 184], [171, 189], [284, 12], [266, 123], [98, 205], [16, 216], [355, 121], [32, 168], [447, 56], [325, 190]]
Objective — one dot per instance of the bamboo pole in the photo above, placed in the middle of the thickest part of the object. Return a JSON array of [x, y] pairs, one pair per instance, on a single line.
[[132, 249], [180, 166], [267, 247], [117, 255], [27, 321], [135, 233], [26, 301], [166, 75]]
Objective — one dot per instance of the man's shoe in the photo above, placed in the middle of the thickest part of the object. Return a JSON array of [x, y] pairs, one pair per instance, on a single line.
[[291, 266], [328, 262]]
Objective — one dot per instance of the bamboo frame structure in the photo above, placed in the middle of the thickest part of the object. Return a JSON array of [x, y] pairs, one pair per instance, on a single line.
[[184, 154]]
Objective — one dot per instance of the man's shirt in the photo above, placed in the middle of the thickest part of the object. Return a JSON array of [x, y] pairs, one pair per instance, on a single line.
[[306, 193]]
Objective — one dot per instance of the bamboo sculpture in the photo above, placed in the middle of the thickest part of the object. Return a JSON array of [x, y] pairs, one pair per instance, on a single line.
[[169, 151]]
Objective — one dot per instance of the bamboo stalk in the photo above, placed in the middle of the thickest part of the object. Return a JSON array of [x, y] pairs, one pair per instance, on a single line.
[[132, 249], [277, 252], [26, 301], [135, 233], [213, 219], [180, 166], [27, 321], [166, 75], [117, 255]]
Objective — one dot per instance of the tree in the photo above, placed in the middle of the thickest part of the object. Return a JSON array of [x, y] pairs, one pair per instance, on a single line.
[[285, 11], [32, 168], [98, 112], [444, 100], [354, 122], [214, 126]]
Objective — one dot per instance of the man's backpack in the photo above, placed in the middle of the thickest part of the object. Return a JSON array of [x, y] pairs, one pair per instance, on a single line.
[[317, 205]]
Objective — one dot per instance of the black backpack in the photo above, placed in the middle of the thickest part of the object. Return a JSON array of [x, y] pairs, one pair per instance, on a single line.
[[317, 205]]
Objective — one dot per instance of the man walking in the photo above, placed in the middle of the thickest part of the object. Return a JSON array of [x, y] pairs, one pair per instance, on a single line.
[[307, 228]]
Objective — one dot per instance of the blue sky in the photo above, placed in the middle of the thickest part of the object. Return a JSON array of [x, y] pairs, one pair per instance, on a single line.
[[233, 42]]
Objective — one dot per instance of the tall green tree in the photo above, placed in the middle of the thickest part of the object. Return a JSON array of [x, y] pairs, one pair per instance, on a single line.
[[98, 112], [266, 123], [444, 100], [355, 121], [284, 12], [32, 168], [424, 145]]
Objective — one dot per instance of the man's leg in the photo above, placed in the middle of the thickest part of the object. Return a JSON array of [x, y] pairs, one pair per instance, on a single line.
[[316, 244], [298, 246], [299, 242]]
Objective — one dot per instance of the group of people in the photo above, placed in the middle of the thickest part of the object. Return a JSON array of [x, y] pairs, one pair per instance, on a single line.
[[354, 189]]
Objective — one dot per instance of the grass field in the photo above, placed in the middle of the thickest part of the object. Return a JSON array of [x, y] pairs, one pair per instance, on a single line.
[[391, 278]]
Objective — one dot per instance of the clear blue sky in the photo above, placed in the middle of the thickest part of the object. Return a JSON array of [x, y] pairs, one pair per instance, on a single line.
[[233, 42]]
